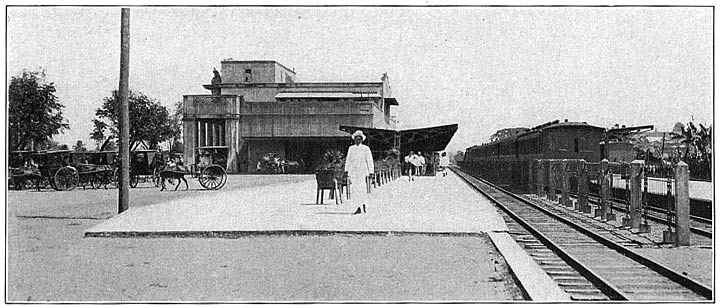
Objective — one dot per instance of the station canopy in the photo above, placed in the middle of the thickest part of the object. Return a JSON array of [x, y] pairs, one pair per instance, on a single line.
[[428, 139]]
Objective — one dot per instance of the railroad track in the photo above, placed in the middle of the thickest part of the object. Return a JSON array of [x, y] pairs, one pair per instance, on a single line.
[[588, 263]]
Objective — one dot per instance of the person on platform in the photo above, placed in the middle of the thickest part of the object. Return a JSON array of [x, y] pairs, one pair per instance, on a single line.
[[444, 163], [423, 163], [416, 165], [408, 165], [359, 165]]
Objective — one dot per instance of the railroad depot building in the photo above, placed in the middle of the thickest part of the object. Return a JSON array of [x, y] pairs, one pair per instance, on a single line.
[[258, 107]]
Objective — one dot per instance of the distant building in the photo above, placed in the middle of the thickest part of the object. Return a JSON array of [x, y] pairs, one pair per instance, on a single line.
[[258, 107]]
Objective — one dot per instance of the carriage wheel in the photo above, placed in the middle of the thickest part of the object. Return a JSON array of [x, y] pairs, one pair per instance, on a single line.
[[134, 179], [213, 177], [66, 178]]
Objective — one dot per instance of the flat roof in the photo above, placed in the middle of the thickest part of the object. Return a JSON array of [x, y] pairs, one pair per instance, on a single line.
[[257, 61], [325, 95]]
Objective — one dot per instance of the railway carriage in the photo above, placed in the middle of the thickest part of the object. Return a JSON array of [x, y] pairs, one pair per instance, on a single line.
[[507, 161]]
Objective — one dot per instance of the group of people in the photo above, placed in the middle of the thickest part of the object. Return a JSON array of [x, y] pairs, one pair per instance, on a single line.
[[415, 165]]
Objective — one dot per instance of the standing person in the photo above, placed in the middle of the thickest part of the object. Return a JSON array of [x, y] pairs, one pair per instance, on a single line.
[[409, 166], [359, 165], [444, 163], [415, 161], [423, 163]]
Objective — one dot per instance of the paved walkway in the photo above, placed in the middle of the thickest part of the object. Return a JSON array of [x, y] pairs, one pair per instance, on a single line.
[[427, 205]]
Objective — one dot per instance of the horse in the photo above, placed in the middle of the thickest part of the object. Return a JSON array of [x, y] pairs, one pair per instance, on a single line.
[[172, 174]]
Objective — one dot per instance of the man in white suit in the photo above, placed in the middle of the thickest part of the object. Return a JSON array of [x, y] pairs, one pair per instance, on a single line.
[[359, 165]]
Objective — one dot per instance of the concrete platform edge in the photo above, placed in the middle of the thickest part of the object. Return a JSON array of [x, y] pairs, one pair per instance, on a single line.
[[538, 285], [246, 233]]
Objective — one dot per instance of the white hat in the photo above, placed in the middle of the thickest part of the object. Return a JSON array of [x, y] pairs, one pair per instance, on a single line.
[[358, 133]]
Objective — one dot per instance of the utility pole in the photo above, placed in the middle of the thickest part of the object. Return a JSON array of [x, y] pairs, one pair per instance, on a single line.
[[124, 146]]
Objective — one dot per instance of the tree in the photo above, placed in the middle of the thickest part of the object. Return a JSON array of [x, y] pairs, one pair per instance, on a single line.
[[176, 146], [35, 114], [149, 121], [506, 133], [79, 146], [698, 148], [458, 157]]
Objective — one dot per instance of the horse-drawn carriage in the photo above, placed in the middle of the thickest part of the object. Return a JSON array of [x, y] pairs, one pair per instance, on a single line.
[[145, 166], [56, 168], [24, 171], [61, 169], [94, 168], [208, 169]]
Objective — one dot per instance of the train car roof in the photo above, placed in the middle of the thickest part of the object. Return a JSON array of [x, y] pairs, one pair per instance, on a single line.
[[549, 125], [556, 125]]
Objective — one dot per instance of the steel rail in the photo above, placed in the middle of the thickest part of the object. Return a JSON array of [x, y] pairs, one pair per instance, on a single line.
[[691, 284], [605, 286]]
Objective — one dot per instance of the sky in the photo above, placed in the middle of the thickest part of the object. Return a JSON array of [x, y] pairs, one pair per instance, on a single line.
[[484, 68]]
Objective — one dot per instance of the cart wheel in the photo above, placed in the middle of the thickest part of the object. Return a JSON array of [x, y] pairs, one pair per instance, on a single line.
[[213, 177], [66, 178]]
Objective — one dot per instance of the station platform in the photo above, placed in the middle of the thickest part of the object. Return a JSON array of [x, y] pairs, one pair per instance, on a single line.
[[428, 205]]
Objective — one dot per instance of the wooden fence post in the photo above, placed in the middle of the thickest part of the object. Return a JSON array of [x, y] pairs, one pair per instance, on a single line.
[[552, 195], [582, 203], [605, 188], [682, 204], [565, 184], [636, 167], [540, 173]]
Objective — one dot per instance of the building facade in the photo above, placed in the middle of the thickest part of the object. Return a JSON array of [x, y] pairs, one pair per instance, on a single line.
[[257, 110]]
